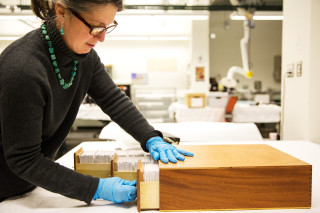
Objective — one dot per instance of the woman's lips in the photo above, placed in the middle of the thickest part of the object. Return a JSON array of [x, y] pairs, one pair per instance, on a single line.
[[91, 45]]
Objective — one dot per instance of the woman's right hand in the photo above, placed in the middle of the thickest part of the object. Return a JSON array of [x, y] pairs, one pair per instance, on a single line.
[[116, 190]]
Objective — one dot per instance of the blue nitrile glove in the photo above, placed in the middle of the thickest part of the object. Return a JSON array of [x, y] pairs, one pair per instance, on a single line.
[[165, 151], [116, 190]]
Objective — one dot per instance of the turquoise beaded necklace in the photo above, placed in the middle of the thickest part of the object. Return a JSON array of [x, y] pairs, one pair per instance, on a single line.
[[54, 61]]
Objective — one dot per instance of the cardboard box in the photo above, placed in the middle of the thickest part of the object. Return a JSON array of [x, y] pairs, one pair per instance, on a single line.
[[195, 100], [229, 177]]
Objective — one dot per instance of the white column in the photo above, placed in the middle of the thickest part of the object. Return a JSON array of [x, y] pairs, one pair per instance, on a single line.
[[199, 56], [300, 93]]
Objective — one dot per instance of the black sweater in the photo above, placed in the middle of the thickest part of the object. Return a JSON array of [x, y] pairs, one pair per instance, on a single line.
[[36, 114]]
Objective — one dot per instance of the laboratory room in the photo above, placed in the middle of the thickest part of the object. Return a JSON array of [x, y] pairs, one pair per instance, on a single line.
[[159, 105]]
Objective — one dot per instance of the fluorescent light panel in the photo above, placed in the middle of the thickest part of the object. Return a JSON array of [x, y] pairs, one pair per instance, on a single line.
[[19, 17], [122, 38], [9, 38], [168, 38], [165, 16], [130, 14], [127, 38], [259, 16], [146, 38]]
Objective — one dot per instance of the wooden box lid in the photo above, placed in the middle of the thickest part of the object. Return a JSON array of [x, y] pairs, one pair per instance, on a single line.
[[219, 156]]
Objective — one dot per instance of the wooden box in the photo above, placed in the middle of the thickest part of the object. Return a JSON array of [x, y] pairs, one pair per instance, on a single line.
[[195, 100], [230, 177], [101, 170], [126, 175], [147, 192]]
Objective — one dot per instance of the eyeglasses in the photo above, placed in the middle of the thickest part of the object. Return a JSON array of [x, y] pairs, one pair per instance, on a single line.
[[95, 31]]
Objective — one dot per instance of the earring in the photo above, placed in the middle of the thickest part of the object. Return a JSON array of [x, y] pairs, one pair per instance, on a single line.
[[61, 30]]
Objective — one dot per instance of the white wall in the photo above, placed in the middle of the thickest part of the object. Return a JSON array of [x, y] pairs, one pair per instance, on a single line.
[[314, 86], [4, 44], [225, 49], [131, 57], [300, 95], [199, 55]]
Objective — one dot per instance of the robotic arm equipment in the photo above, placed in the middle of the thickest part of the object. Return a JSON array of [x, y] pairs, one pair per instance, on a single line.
[[229, 81], [244, 49]]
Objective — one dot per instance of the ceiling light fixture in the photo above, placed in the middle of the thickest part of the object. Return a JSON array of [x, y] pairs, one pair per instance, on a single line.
[[165, 16], [19, 17], [259, 15], [148, 38], [9, 38]]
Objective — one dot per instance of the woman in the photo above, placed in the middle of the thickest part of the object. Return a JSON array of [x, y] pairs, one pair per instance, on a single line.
[[44, 77]]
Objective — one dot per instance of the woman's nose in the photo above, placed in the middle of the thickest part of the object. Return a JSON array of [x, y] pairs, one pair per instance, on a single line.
[[101, 37]]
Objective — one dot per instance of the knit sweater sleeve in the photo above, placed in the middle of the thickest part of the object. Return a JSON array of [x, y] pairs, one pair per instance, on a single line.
[[118, 106], [23, 101]]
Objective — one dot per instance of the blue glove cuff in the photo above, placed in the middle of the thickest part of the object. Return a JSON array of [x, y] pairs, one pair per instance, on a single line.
[[105, 189], [153, 139], [99, 188]]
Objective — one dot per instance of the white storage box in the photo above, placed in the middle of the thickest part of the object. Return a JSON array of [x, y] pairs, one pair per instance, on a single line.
[[195, 100], [217, 99]]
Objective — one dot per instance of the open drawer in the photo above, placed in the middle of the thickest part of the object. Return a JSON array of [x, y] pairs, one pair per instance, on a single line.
[[101, 170], [126, 175], [147, 192]]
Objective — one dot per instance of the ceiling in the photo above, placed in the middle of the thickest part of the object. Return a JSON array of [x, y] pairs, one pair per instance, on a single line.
[[18, 8], [267, 5], [209, 5]]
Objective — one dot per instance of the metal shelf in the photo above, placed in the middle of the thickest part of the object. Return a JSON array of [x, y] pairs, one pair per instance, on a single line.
[[154, 102]]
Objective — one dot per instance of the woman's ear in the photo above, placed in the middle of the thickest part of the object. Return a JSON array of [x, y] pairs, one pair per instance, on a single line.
[[60, 12]]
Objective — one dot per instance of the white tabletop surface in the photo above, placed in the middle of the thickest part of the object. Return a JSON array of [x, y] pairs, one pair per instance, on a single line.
[[194, 131], [262, 113], [182, 113], [243, 111], [92, 112], [40, 200]]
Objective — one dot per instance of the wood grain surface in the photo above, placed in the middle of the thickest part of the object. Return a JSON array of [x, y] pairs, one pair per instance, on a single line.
[[223, 177], [213, 156], [139, 180], [149, 195]]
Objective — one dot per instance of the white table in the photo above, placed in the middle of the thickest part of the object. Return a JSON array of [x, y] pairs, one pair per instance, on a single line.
[[182, 113], [92, 112], [243, 112], [194, 131], [40, 200], [262, 113]]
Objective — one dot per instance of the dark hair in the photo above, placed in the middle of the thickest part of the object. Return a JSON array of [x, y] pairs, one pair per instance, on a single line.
[[44, 9]]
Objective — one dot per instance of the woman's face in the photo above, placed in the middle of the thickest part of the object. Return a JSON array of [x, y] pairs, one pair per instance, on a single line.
[[77, 35]]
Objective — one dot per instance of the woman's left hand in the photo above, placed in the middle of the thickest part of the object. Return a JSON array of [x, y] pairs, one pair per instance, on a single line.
[[165, 151]]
